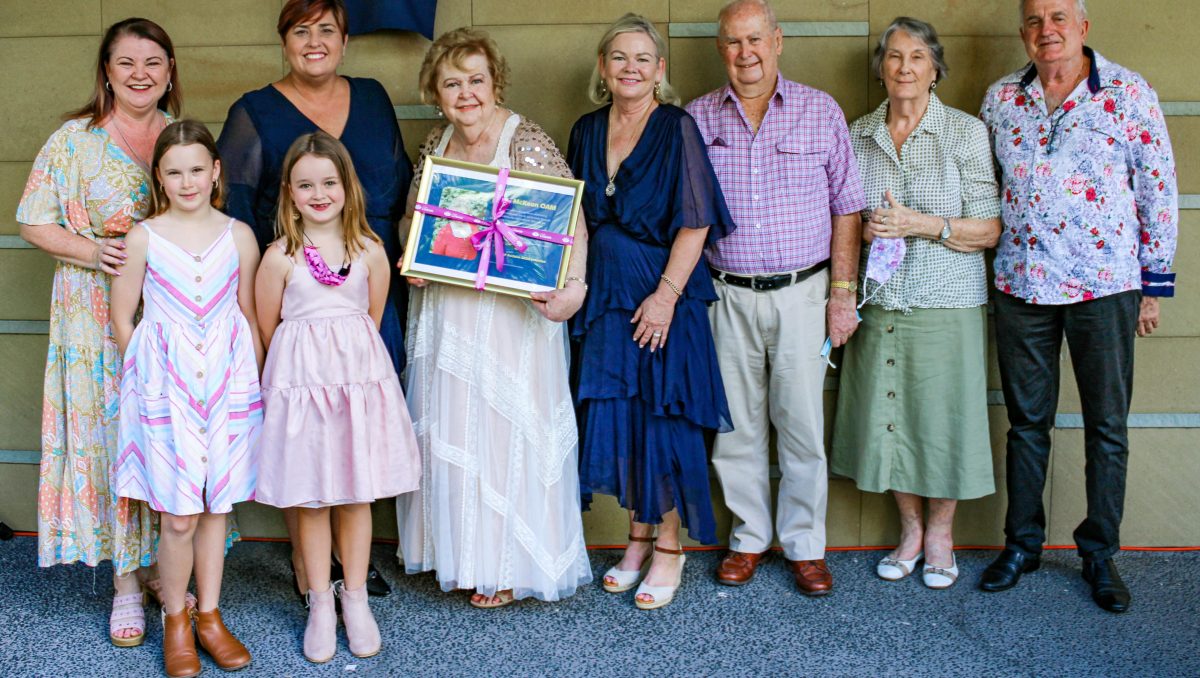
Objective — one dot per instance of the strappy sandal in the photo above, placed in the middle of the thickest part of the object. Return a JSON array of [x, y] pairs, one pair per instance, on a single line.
[[128, 613], [626, 579], [505, 599], [661, 595]]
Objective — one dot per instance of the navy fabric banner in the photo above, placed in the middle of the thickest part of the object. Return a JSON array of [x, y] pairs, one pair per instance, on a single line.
[[367, 16]]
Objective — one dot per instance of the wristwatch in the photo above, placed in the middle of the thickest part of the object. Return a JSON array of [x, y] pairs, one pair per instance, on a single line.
[[946, 232], [850, 285]]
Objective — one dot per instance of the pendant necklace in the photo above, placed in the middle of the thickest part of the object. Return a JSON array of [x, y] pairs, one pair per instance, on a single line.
[[320, 270], [129, 147], [611, 189]]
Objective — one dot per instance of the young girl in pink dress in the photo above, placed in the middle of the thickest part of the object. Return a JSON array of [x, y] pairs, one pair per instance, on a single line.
[[191, 410], [337, 434]]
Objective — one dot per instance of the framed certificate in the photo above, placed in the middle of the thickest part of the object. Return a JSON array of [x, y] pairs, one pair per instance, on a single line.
[[503, 231]]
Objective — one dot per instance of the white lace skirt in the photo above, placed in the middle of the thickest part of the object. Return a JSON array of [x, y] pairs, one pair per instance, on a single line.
[[498, 506]]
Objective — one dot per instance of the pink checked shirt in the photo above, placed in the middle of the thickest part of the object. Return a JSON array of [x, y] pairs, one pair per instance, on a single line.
[[782, 184]]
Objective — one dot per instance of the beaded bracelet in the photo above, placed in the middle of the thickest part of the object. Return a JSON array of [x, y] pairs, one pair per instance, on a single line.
[[672, 285]]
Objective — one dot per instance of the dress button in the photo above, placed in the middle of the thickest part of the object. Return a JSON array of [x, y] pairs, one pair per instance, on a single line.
[[200, 374], [891, 363], [203, 459], [196, 257], [891, 427], [198, 278], [890, 329], [891, 396], [199, 347], [199, 317], [204, 429], [199, 298], [200, 403]]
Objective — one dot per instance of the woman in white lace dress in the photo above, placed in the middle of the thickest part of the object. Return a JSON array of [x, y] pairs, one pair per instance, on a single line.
[[498, 509]]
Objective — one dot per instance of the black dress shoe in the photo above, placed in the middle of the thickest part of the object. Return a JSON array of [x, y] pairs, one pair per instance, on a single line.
[[1108, 590], [376, 584], [1006, 570]]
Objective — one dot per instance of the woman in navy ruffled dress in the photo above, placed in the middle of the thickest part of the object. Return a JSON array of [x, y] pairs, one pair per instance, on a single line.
[[648, 385]]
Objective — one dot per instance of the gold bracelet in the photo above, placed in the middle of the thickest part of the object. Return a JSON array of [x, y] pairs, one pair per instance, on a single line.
[[579, 280], [672, 285], [849, 285]]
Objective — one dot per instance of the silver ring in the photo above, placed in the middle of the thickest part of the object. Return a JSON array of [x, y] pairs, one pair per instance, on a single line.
[[883, 220], [656, 334]]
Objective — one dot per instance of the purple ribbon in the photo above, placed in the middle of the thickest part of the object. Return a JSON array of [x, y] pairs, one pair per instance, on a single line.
[[494, 233]]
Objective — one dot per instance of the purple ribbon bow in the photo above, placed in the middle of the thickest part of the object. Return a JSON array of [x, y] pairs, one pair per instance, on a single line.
[[494, 233]]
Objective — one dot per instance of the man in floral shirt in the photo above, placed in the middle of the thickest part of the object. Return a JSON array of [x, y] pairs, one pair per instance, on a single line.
[[1090, 213]]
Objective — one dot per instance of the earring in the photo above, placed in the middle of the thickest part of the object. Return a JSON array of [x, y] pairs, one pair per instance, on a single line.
[[603, 89], [108, 85], [880, 81], [658, 91], [933, 86], [438, 111], [170, 85]]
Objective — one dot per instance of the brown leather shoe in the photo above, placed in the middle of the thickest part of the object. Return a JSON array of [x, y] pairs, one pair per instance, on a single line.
[[179, 645], [227, 651], [812, 577], [738, 568]]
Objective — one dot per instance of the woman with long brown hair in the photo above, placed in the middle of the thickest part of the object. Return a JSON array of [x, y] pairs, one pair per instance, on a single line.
[[89, 184]]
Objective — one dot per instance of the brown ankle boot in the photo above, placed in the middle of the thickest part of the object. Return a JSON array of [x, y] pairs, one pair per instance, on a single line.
[[227, 651], [179, 645]]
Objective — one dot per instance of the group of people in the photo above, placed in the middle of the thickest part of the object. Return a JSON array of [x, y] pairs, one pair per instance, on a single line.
[[747, 228]]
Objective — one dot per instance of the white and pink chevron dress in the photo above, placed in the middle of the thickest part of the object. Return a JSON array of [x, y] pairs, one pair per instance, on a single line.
[[191, 409]]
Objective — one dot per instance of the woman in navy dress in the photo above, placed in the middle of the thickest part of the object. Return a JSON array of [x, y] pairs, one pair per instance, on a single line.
[[262, 124], [648, 381]]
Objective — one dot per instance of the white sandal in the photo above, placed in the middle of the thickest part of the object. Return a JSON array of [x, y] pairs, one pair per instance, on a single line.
[[626, 579], [661, 595], [940, 577], [894, 569]]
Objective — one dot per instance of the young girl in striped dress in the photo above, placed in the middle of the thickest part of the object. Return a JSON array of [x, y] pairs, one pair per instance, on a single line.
[[191, 408]]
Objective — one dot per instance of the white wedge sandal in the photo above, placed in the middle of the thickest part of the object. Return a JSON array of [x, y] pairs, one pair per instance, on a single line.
[[626, 579], [661, 595]]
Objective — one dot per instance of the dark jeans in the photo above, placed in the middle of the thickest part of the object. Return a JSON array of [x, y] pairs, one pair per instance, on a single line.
[[1100, 336]]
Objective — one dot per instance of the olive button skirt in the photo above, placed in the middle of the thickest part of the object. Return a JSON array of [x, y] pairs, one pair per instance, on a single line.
[[912, 404]]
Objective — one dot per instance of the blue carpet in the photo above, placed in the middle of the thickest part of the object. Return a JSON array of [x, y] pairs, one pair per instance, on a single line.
[[55, 624]]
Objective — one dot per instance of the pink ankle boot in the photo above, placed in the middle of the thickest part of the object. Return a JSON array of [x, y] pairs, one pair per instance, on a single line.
[[320, 635], [361, 629]]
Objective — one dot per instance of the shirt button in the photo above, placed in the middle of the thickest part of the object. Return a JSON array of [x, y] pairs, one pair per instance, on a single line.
[[198, 278], [757, 225], [891, 363], [756, 197], [891, 396], [754, 170], [891, 427], [890, 329]]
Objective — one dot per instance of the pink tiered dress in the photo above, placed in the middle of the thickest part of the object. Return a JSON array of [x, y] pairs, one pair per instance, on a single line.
[[336, 428]]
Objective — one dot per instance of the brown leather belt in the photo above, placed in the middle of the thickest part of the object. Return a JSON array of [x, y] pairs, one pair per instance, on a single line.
[[766, 283]]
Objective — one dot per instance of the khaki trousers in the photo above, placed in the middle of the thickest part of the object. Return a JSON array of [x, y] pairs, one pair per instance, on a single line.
[[768, 346]]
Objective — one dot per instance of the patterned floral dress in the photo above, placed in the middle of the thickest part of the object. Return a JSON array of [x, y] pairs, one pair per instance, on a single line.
[[82, 181]]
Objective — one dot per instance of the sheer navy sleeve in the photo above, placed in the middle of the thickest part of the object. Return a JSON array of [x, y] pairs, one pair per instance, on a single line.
[[698, 199], [242, 164]]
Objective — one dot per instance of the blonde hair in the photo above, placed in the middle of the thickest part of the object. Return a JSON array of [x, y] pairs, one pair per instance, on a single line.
[[630, 23], [289, 225], [182, 133], [455, 46]]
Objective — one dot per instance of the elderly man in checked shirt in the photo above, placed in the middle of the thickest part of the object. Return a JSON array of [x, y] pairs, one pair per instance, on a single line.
[[1090, 217], [782, 153]]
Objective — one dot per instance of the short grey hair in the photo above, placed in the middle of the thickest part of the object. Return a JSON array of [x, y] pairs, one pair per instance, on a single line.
[[630, 23], [1080, 6], [917, 29], [734, 6]]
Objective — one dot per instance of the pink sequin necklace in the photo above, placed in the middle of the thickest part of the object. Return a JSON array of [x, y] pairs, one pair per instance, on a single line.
[[320, 271]]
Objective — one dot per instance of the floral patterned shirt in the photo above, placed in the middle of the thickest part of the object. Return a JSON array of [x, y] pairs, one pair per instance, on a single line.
[[1089, 199]]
